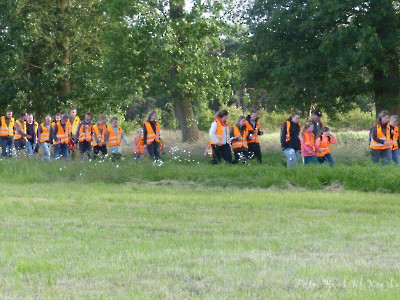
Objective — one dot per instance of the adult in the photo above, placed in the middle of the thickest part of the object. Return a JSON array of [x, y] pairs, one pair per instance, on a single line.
[[290, 141], [316, 120], [114, 137], [7, 124], [394, 136], [99, 134], [151, 135], [62, 134], [31, 134], [20, 132], [84, 134], [380, 143], [253, 127], [73, 121], [220, 137], [56, 145], [239, 136], [45, 137]]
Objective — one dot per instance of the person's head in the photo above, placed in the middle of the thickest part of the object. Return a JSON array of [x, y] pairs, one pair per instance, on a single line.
[[295, 117], [64, 118], [140, 132], [394, 120], [253, 115], [151, 116], [308, 127], [241, 121], [103, 119], [223, 115], [114, 121], [47, 120], [88, 116], [317, 115], [9, 113], [324, 131], [58, 117], [73, 112], [22, 116], [29, 118], [383, 117]]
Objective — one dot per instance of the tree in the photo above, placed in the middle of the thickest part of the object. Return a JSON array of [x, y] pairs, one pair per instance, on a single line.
[[326, 53]]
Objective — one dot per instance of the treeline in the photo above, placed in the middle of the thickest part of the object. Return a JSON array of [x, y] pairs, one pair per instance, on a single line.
[[189, 59]]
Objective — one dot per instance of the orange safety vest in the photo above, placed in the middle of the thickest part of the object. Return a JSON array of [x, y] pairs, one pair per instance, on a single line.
[[395, 142], [45, 134], [7, 131], [22, 127], [52, 127], [209, 149], [288, 124], [309, 142], [250, 127], [113, 139], [100, 131], [74, 125], [378, 146], [63, 135], [325, 146], [140, 145], [241, 140], [151, 135], [85, 135], [220, 130]]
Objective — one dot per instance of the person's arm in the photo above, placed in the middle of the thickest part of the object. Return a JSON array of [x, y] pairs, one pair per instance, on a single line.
[[77, 132], [144, 134], [123, 137], [55, 130], [19, 130], [39, 132], [283, 135], [213, 137], [333, 139], [375, 137]]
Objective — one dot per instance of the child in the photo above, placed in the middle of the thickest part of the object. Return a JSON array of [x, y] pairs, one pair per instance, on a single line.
[[308, 150], [209, 152], [239, 136], [114, 137], [394, 135], [138, 145], [323, 143]]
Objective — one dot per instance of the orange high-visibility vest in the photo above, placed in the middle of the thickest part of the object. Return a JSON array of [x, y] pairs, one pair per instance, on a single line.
[[45, 134], [288, 124], [114, 139], [151, 135], [250, 127], [209, 149], [220, 130], [378, 146], [140, 145], [22, 127], [7, 131], [52, 127], [325, 146], [308, 142], [74, 125], [100, 131], [85, 135], [395, 138], [241, 140], [63, 135]]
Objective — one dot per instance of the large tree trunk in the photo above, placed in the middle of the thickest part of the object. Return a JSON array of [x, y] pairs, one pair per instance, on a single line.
[[64, 88]]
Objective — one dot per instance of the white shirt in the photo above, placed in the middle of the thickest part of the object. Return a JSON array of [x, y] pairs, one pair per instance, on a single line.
[[213, 137]]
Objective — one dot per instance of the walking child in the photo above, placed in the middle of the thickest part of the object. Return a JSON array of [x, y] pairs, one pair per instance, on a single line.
[[323, 143]]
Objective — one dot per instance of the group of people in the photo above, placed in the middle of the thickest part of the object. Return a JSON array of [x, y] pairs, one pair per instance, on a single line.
[[68, 133]]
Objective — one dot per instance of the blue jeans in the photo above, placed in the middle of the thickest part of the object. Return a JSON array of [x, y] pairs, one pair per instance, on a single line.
[[395, 156], [7, 145], [30, 147], [292, 156], [46, 150], [56, 153], [309, 159], [327, 158], [64, 151]]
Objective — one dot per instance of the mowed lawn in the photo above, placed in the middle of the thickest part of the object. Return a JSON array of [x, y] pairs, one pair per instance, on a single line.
[[174, 241]]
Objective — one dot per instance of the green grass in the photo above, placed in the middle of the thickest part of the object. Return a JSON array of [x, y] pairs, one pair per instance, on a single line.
[[169, 240]]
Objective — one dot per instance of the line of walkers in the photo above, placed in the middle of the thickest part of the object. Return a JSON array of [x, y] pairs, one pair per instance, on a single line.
[[68, 133]]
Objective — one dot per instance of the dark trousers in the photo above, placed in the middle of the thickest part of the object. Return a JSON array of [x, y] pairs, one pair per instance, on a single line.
[[327, 158], [240, 156], [7, 145], [385, 154], [154, 150], [98, 149], [20, 144], [222, 152], [254, 149], [64, 151], [85, 148]]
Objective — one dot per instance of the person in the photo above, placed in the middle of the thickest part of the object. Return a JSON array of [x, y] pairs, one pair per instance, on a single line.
[[220, 136], [45, 137], [308, 149], [253, 127], [317, 123], [56, 145], [290, 141], [20, 132], [209, 150], [99, 133], [7, 124], [73, 121], [114, 137], [31, 134], [394, 136], [62, 134], [151, 135], [239, 136], [380, 142], [138, 145], [323, 143], [83, 135]]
